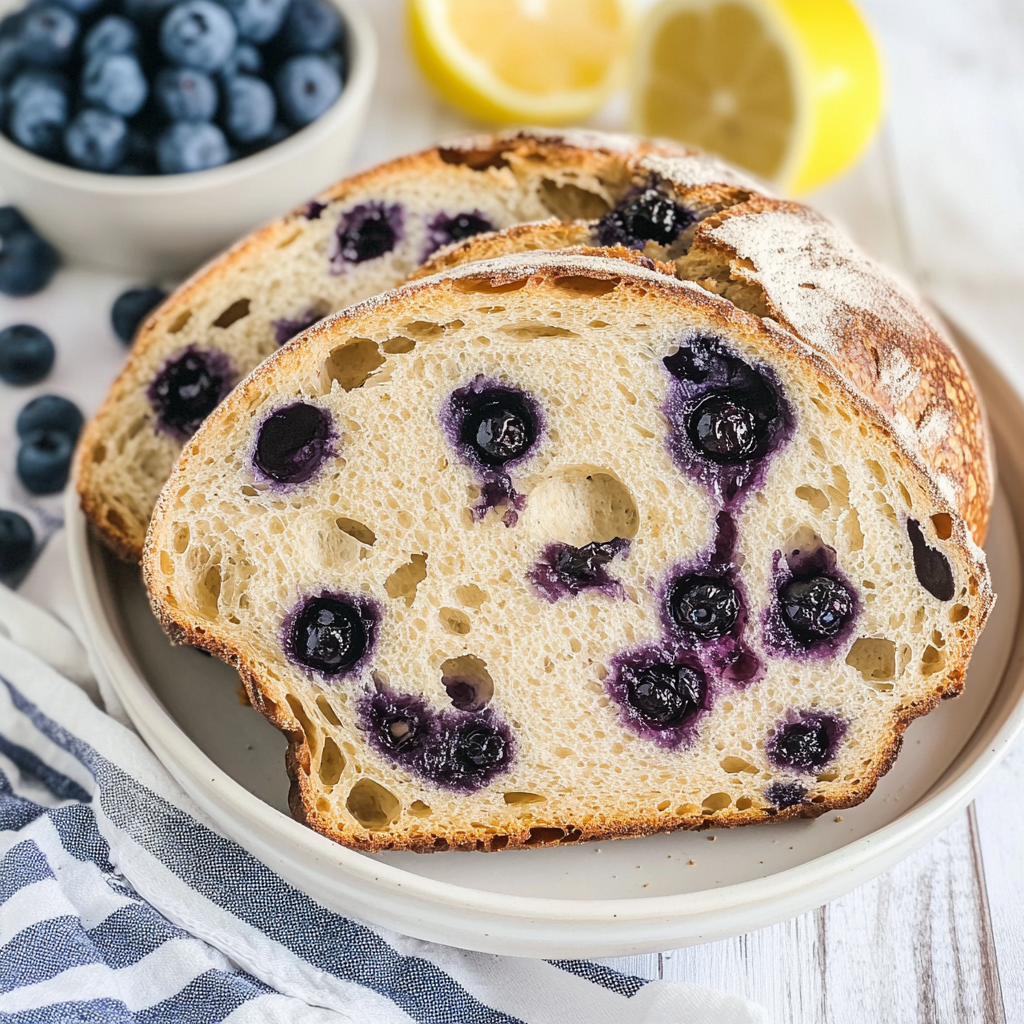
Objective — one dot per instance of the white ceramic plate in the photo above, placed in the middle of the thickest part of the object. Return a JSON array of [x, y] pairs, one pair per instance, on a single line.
[[597, 899]]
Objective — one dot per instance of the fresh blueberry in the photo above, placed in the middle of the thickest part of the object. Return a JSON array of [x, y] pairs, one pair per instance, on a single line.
[[10, 59], [50, 412], [17, 542], [365, 232], [293, 442], [185, 94], [80, 6], [807, 744], [26, 354], [38, 112], [44, 460], [815, 608], [10, 24], [330, 634], [246, 60], [306, 87], [401, 724], [47, 35], [704, 606], [140, 154], [443, 230], [12, 222], [188, 389], [198, 34], [930, 565], [731, 426], [664, 695], [115, 82], [249, 108], [650, 217], [500, 429], [310, 26], [112, 34], [27, 262], [130, 309], [96, 140], [191, 146], [257, 20]]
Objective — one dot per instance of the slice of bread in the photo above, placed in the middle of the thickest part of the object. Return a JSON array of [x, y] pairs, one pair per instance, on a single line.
[[364, 235], [558, 547]]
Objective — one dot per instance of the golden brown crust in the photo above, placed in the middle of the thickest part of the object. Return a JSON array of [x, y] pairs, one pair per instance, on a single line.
[[539, 271]]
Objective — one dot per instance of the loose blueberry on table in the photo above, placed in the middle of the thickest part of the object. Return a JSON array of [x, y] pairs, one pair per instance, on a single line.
[[131, 308], [27, 261], [26, 354], [48, 428], [162, 87], [17, 542]]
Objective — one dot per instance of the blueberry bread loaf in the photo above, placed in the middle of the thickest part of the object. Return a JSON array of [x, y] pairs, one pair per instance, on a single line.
[[558, 547], [364, 235]]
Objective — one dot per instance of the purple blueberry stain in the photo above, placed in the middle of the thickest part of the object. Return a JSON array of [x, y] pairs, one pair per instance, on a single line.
[[189, 386], [366, 232], [930, 565], [293, 442], [313, 209], [565, 571], [287, 328], [728, 417], [645, 216], [459, 750], [784, 794], [662, 693], [493, 427], [331, 634], [444, 229], [806, 741], [813, 608]]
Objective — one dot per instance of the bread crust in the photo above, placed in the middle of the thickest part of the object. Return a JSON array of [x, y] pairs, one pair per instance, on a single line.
[[656, 290]]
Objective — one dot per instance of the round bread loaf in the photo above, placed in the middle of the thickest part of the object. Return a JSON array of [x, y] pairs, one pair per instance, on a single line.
[[559, 547], [364, 235]]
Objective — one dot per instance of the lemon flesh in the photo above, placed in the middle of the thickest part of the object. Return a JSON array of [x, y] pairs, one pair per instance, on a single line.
[[546, 61], [789, 89]]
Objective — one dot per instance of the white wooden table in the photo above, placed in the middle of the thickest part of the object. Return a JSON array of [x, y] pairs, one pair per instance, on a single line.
[[941, 196]]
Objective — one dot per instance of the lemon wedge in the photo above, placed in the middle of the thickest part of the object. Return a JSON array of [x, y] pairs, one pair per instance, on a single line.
[[536, 61], [789, 89]]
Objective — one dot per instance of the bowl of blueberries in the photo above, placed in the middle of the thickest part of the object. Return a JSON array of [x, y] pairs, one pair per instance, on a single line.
[[146, 135]]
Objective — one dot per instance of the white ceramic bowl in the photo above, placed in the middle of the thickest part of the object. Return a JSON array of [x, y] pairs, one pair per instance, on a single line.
[[169, 224], [596, 899]]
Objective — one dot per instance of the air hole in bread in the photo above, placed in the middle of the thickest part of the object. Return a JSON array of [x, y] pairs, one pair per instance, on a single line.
[[332, 763], [594, 286], [467, 682], [524, 798], [418, 809], [398, 346], [471, 596], [422, 330], [716, 802], [373, 806], [182, 537], [932, 661], [326, 710], [402, 583], [580, 505], [179, 322], [959, 612], [539, 836], [453, 621], [351, 365], [238, 310], [306, 725], [874, 658], [744, 803], [360, 531], [735, 765], [208, 592], [166, 564], [943, 524], [814, 497], [571, 202], [116, 520], [475, 159], [484, 286], [531, 330]]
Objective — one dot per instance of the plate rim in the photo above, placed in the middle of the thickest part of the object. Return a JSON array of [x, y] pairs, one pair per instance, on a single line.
[[483, 920]]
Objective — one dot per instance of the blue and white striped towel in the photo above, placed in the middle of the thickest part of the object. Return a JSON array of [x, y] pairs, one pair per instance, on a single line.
[[119, 902]]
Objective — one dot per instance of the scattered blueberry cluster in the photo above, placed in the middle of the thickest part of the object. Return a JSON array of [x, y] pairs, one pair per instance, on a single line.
[[27, 262], [163, 87]]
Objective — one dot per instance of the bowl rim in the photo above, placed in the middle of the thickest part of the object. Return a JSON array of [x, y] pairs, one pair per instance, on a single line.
[[363, 60], [492, 922]]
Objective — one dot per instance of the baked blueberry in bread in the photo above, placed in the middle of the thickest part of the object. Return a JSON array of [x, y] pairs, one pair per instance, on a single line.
[[362, 236], [558, 547]]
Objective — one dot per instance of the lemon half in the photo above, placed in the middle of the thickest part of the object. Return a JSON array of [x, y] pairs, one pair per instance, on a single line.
[[534, 61], [789, 89]]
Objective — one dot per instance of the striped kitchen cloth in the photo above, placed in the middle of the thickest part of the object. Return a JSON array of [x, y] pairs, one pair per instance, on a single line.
[[119, 902]]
